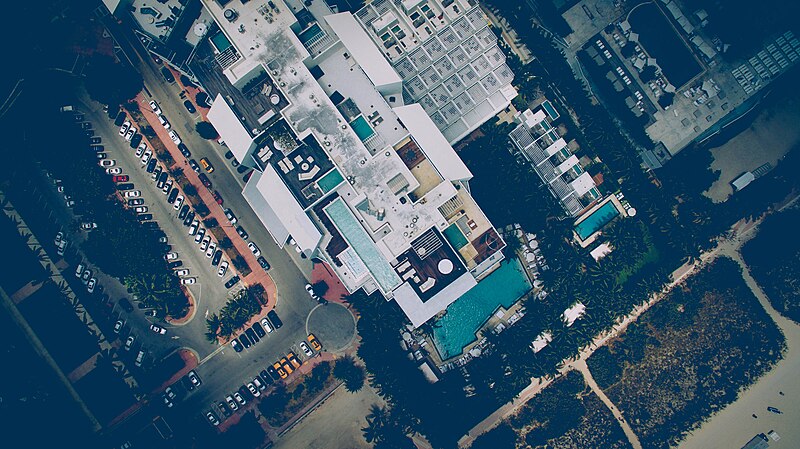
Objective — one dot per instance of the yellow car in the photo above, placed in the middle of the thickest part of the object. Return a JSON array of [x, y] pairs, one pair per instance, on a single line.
[[207, 165], [280, 370], [286, 366], [293, 359], [312, 340]]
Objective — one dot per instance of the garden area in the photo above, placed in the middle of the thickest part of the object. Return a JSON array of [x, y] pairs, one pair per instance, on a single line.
[[772, 257], [689, 356], [244, 305], [286, 401], [565, 415]]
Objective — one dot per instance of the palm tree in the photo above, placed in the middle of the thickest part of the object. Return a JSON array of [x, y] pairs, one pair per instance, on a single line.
[[377, 420]]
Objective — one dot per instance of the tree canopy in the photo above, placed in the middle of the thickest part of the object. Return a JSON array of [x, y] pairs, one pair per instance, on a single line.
[[206, 130]]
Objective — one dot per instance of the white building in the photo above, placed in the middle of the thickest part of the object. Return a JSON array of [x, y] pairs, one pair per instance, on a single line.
[[344, 167]]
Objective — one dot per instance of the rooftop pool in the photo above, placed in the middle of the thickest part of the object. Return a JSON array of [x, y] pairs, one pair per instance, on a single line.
[[596, 220], [456, 329], [362, 128]]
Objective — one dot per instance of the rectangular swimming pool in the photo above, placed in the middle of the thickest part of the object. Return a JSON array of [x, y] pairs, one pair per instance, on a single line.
[[362, 244], [456, 329], [362, 128], [596, 220], [220, 41], [330, 181]]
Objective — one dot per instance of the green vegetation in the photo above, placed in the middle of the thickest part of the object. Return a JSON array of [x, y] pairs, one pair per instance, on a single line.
[[244, 305], [565, 415], [206, 130], [284, 402], [386, 429], [352, 374], [706, 341], [111, 83], [772, 257]]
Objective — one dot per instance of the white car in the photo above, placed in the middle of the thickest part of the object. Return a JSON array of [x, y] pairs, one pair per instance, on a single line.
[[79, 270], [254, 249], [139, 358], [200, 234], [211, 248], [311, 293], [146, 157], [113, 171], [107, 162], [91, 285], [154, 107], [223, 268], [139, 152], [253, 389], [174, 136], [118, 326], [188, 281], [130, 133], [164, 122], [143, 146], [124, 128], [88, 226], [306, 350], [178, 202], [129, 342], [140, 209], [171, 256], [204, 243], [167, 186], [193, 227], [158, 329], [182, 272], [267, 326], [133, 193]]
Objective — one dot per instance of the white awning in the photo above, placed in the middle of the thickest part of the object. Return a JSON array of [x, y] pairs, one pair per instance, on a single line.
[[230, 129]]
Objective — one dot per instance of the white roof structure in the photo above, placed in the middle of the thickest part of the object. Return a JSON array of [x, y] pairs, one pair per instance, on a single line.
[[419, 312], [743, 181], [230, 129], [601, 251], [582, 184], [571, 315], [437, 149], [366, 54], [280, 212], [541, 341]]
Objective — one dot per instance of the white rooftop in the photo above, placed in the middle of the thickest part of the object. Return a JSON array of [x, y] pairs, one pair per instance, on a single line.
[[541, 341], [230, 129], [433, 143], [378, 69], [419, 312], [280, 212], [573, 313]]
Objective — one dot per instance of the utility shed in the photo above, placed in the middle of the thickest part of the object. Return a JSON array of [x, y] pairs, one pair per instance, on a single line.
[[759, 441]]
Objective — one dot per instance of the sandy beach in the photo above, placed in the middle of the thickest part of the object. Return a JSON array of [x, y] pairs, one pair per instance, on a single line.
[[771, 135]]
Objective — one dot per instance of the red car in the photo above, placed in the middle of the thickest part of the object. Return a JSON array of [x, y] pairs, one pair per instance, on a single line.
[[121, 178], [218, 197]]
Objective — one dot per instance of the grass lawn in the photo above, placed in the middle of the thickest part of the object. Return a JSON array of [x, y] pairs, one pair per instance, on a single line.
[[689, 356]]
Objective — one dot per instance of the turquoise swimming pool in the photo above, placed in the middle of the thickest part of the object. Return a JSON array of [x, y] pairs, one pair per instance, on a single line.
[[362, 128], [220, 41], [330, 181], [465, 316], [596, 220]]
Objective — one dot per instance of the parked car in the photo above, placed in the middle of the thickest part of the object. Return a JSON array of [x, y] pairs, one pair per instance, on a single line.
[[91, 285], [253, 390], [188, 281], [273, 372], [254, 249], [167, 74], [184, 211], [86, 276], [189, 218], [205, 242], [127, 186], [140, 210], [132, 193], [204, 179], [223, 268], [206, 165], [216, 258], [174, 136], [151, 165], [88, 226], [265, 377], [258, 330], [176, 264], [113, 171], [224, 409], [79, 270], [136, 140], [158, 329], [232, 281], [154, 107], [311, 293], [263, 262], [107, 162], [239, 398], [242, 233], [211, 248], [167, 186], [245, 341], [161, 180], [293, 359], [193, 228], [212, 418], [139, 358], [273, 317], [258, 383], [123, 130], [172, 195], [164, 122], [178, 202], [121, 178], [236, 346], [118, 326], [315, 344], [130, 133], [144, 217], [184, 151], [129, 342], [120, 119], [232, 403], [135, 202], [306, 350], [230, 216], [218, 198], [267, 325], [201, 234], [189, 106], [182, 272], [195, 166], [146, 156], [194, 378]]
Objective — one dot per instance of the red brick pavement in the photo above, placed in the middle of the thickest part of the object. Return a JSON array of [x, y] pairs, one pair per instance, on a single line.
[[336, 290], [258, 275]]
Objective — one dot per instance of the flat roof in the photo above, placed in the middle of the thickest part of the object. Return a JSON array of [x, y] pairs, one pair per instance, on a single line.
[[435, 146], [361, 47], [282, 209], [419, 312], [230, 129]]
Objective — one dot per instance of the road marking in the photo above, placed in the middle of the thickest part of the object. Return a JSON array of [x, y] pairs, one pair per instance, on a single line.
[[208, 357]]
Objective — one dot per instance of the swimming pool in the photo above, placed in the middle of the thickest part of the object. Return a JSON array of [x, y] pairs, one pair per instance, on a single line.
[[362, 128], [362, 244], [468, 313], [330, 181], [596, 220], [455, 236], [220, 41]]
